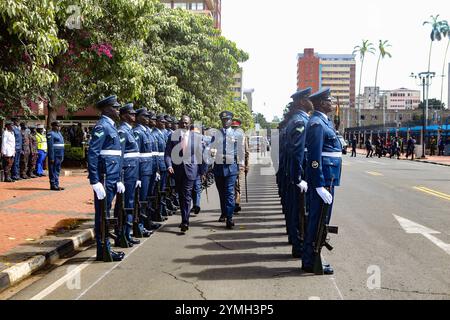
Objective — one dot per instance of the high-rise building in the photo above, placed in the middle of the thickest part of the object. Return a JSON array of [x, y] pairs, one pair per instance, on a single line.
[[236, 88], [212, 8], [336, 71], [248, 97], [448, 93]]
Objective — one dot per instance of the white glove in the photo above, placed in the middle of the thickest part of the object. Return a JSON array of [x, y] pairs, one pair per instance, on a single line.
[[158, 177], [325, 195], [99, 190], [120, 187], [138, 184], [303, 185]]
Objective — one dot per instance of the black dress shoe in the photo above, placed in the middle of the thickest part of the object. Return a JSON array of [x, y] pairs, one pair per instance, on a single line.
[[326, 270], [133, 241], [230, 224], [222, 219], [117, 255], [61, 188], [146, 233], [196, 209], [237, 208], [296, 253], [154, 226], [55, 189], [9, 180]]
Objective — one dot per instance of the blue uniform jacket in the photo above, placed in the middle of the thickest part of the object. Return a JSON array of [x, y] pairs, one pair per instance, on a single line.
[[55, 145], [130, 149], [227, 144], [295, 140], [161, 142], [146, 146], [17, 137], [323, 170], [105, 152]]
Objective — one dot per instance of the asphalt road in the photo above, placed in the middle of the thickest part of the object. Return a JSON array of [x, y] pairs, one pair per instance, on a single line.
[[374, 256]]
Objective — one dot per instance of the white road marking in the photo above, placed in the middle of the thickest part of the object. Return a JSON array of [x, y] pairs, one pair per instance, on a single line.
[[333, 279], [376, 162], [111, 269], [62, 280], [415, 228]]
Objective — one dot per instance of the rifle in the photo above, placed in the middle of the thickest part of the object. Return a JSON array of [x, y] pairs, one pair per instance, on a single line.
[[246, 188], [321, 237], [119, 214], [137, 232], [302, 216], [105, 223], [205, 186]]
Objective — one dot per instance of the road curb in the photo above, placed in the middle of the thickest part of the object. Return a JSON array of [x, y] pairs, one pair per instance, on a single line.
[[20, 271]]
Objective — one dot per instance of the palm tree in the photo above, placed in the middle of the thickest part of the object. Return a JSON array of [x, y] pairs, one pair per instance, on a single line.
[[366, 47], [435, 35], [445, 30], [382, 46]]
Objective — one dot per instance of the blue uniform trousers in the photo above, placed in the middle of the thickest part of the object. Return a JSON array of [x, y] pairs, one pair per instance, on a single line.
[[225, 187], [311, 229], [130, 178], [54, 171], [197, 192], [162, 188], [111, 190], [40, 162], [16, 166], [293, 218]]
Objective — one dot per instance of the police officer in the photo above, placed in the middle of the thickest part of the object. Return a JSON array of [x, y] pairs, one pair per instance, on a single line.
[[55, 144], [323, 170], [147, 167], [295, 147], [18, 138], [41, 140], [243, 166], [33, 152], [105, 159], [26, 151], [130, 168], [226, 166]]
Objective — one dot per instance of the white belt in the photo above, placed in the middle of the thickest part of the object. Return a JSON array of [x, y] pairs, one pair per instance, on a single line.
[[332, 154], [306, 150], [59, 145], [131, 155], [111, 153], [160, 154], [146, 155]]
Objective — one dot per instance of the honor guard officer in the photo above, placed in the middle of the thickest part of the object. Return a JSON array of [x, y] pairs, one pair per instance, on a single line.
[[105, 159], [295, 147], [55, 145], [226, 167], [159, 132], [130, 166], [147, 167], [323, 171], [243, 166]]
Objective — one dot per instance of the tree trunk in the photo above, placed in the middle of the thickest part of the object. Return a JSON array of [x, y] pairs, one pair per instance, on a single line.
[[443, 69], [359, 94], [53, 105]]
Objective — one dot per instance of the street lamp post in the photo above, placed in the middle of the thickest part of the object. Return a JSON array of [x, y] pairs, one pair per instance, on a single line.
[[425, 79]]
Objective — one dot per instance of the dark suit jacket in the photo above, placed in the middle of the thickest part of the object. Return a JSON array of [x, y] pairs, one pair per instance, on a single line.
[[191, 165]]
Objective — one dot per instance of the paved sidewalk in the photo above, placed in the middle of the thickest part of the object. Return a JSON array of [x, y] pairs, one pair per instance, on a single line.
[[442, 160], [29, 210]]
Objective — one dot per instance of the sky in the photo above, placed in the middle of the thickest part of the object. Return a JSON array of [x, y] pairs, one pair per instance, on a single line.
[[273, 32]]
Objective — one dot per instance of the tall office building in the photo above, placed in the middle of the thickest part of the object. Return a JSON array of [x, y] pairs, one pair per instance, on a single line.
[[336, 71], [236, 87], [212, 8]]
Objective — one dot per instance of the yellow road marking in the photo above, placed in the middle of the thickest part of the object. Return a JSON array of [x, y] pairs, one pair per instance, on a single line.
[[374, 173], [434, 193]]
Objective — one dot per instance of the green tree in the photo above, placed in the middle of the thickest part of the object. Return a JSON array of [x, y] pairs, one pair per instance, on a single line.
[[382, 47], [261, 119], [365, 47]]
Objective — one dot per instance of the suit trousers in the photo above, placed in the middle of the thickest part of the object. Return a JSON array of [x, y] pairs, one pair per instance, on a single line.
[[54, 170], [16, 164], [225, 187], [184, 189]]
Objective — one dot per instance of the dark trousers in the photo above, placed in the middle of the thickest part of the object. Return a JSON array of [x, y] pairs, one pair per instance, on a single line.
[[54, 170], [16, 164], [313, 223], [225, 186], [184, 188], [369, 153], [353, 152], [7, 166], [111, 190], [130, 185], [24, 159], [32, 164], [293, 217]]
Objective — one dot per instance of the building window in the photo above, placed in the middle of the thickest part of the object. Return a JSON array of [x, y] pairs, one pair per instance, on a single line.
[[197, 6], [181, 5]]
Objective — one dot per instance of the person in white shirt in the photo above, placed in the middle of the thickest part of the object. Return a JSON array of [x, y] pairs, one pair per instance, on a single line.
[[8, 150]]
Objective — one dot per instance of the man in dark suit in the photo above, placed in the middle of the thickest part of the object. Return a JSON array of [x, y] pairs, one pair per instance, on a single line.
[[183, 158]]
